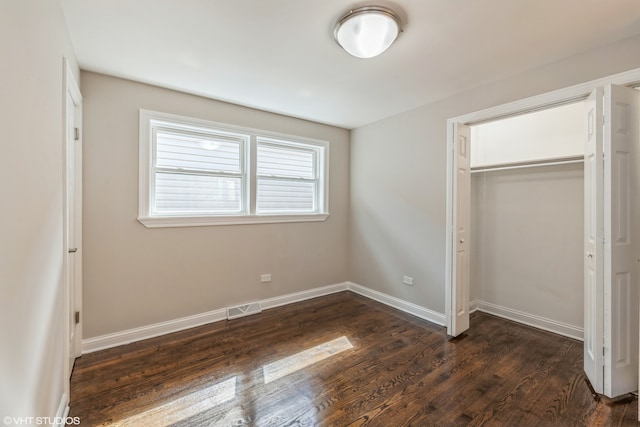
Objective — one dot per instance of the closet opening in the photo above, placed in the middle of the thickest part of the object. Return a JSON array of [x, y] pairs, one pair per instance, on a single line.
[[527, 216], [610, 226]]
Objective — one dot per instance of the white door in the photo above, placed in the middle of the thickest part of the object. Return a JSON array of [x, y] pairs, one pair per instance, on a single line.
[[593, 247], [72, 219], [621, 233], [462, 217], [71, 245], [611, 240]]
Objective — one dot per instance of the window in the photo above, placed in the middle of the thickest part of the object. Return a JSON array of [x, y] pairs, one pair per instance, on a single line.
[[288, 178], [194, 172], [197, 173]]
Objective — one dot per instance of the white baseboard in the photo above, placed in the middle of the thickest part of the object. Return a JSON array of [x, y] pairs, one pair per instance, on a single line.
[[137, 334], [303, 295], [474, 305], [115, 339], [539, 322], [62, 412], [397, 303]]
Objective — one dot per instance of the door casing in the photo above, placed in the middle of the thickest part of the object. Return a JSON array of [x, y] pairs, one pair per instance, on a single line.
[[72, 219]]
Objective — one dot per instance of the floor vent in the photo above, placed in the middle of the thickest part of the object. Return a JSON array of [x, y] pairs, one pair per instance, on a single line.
[[243, 310]]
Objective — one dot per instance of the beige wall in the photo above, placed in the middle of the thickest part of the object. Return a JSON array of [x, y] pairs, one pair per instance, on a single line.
[[527, 241], [398, 176], [33, 41], [135, 276]]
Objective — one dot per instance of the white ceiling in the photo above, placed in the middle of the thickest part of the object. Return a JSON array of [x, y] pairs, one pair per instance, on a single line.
[[280, 56]]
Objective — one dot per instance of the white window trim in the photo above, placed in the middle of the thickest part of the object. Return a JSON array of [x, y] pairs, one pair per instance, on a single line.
[[250, 217]]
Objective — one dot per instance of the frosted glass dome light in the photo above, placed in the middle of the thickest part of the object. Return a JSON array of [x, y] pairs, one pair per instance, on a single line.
[[367, 31]]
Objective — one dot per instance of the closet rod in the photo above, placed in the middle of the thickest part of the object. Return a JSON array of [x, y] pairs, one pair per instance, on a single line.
[[564, 161]]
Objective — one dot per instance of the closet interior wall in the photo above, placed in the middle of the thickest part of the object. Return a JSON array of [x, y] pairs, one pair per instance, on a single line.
[[527, 215]]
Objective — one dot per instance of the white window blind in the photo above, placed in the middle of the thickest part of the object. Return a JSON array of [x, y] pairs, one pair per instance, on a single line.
[[197, 173], [287, 178]]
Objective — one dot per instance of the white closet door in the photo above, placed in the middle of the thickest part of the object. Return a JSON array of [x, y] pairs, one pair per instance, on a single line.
[[621, 232], [612, 250], [593, 239], [460, 296]]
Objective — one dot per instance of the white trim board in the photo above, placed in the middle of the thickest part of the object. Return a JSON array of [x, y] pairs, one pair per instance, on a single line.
[[115, 339], [150, 331], [128, 336], [303, 295], [547, 100], [397, 303], [60, 419], [538, 322]]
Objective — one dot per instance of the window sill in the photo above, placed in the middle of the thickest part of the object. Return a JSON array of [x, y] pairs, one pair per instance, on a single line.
[[203, 221]]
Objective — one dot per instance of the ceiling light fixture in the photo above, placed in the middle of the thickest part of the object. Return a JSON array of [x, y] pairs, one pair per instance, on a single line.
[[367, 31]]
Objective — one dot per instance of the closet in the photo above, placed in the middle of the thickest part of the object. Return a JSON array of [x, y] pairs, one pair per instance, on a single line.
[[527, 216], [515, 262]]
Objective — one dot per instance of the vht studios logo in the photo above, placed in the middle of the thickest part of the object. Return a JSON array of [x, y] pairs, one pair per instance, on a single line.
[[40, 421]]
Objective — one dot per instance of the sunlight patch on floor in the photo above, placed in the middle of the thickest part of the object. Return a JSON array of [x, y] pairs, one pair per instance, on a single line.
[[183, 407], [290, 364]]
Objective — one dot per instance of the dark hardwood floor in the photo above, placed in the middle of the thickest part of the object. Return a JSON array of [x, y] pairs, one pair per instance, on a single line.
[[342, 360]]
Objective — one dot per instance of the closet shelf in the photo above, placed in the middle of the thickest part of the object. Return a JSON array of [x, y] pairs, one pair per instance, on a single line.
[[530, 164]]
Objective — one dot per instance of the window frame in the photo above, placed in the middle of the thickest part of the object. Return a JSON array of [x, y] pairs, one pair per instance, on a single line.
[[163, 127], [149, 120], [318, 160]]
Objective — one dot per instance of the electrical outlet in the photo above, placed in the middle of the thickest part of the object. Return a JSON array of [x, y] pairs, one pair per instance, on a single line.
[[407, 280], [265, 278]]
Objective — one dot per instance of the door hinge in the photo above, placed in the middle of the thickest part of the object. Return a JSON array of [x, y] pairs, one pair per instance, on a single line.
[[77, 317], [76, 134]]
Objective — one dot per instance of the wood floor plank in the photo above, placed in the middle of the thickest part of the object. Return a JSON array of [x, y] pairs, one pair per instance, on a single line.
[[396, 370]]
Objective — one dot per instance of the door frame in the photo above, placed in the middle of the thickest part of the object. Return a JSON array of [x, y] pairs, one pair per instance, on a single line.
[[539, 102], [72, 279]]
